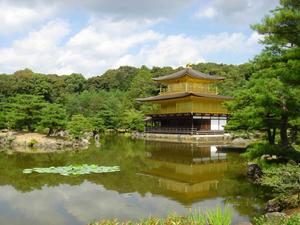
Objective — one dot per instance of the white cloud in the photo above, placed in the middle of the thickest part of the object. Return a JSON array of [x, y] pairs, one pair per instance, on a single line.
[[237, 12], [107, 43], [39, 50], [90, 51], [19, 18], [179, 50], [121, 9], [208, 12]]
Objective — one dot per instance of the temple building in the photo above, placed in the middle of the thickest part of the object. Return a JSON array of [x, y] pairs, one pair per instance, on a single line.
[[188, 103]]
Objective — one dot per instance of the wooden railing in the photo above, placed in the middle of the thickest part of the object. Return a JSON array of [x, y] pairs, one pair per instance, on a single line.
[[166, 130], [182, 87]]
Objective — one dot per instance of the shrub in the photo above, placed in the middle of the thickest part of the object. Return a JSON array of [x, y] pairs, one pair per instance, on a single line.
[[256, 150], [217, 217], [78, 126], [282, 179], [32, 142], [264, 220]]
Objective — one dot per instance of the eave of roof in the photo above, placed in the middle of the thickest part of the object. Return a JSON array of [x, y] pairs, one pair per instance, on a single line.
[[182, 95], [188, 72]]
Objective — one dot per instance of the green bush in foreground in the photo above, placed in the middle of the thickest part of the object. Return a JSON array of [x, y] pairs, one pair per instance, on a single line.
[[264, 220], [256, 150], [282, 179], [215, 216]]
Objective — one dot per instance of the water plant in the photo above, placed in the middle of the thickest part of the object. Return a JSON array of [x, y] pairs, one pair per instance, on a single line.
[[74, 170], [219, 217], [213, 217]]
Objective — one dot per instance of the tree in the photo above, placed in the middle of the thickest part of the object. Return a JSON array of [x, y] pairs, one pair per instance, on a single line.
[[270, 100], [97, 124], [283, 27], [114, 79], [133, 120], [259, 106], [78, 126], [24, 111], [74, 83], [142, 85], [53, 117], [2, 120]]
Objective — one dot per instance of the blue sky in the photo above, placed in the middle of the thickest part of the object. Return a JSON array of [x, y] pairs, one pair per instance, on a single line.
[[91, 36]]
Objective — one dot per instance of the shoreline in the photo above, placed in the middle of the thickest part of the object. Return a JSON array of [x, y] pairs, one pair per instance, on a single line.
[[27, 142], [225, 139]]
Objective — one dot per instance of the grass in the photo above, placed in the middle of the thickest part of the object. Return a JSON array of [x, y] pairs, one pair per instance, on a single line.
[[264, 220], [215, 216]]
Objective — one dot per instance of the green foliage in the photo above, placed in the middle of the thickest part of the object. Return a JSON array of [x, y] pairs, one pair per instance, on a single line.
[[74, 170], [197, 217], [270, 100], [217, 217], [116, 79], [264, 220], [78, 126], [53, 117], [142, 85], [23, 111], [214, 216], [32, 142], [256, 150], [283, 26], [97, 123], [282, 179], [2, 120], [133, 120]]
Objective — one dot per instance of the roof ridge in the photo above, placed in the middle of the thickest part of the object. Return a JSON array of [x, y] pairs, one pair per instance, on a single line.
[[190, 72]]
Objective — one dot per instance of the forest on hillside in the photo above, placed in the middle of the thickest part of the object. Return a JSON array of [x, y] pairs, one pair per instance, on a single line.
[[47, 103]]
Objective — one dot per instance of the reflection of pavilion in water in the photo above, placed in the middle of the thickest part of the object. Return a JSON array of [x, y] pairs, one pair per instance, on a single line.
[[187, 172]]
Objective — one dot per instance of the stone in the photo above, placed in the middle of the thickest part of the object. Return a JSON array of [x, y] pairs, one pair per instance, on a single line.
[[273, 205], [240, 142], [265, 156], [254, 171], [280, 203], [273, 215], [292, 162]]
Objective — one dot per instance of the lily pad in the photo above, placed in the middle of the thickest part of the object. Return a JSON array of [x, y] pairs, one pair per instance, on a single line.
[[74, 170]]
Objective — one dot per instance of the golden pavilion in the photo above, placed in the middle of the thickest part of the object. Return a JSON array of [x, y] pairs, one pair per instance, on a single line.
[[188, 103]]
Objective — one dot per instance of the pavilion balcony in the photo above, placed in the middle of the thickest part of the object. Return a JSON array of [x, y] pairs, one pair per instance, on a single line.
[[184, 87], [176, 130]]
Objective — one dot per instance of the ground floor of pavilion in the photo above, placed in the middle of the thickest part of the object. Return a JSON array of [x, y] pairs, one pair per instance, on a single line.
[[186, 123]]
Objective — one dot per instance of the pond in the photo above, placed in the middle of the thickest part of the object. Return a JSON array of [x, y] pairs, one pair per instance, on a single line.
[[156, 179]]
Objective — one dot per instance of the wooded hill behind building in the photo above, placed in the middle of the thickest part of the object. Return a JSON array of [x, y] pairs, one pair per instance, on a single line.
[[108, 101]]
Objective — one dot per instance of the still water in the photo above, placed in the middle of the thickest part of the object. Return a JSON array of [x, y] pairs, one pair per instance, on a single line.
[[156, 179]]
